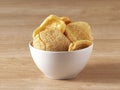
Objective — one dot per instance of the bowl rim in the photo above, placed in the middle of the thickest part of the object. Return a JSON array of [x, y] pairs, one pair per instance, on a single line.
[[30, 46]]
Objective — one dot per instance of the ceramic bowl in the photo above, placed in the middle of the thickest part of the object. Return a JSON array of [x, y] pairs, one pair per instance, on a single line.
[[62, 64]]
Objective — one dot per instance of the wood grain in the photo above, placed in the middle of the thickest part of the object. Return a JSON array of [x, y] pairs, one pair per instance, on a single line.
[[19, 18]]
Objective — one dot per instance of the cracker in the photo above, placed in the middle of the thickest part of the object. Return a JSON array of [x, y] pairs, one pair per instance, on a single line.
[[52, 22], [54, 40], [78, 31], [38, 43], [79, 44]]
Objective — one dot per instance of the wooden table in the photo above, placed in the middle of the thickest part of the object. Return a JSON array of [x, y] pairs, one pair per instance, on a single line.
[[18, 19]]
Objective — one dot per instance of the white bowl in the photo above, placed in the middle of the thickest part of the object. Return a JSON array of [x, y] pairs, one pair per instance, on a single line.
[[61, 65]]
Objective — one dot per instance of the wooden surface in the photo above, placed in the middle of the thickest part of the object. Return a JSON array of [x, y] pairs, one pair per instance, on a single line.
[[18, 18]]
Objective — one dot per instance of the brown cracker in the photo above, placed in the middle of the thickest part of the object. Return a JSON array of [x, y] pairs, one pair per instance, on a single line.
[[54, 40], [52, 22], [79, 44], [78, 31], [38, 43]]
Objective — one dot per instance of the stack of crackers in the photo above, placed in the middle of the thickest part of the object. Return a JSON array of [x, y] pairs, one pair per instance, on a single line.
[[61, 34]]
